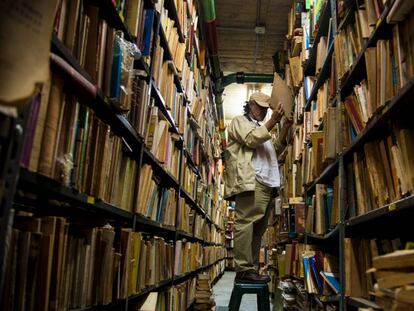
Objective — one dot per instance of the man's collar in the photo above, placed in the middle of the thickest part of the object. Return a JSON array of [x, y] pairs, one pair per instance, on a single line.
[[251, 119]]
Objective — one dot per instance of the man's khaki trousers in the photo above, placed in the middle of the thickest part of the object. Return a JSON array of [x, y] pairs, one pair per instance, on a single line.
[[252, 213]]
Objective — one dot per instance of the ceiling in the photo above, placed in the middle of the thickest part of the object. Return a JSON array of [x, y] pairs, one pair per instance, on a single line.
[[240, 48]]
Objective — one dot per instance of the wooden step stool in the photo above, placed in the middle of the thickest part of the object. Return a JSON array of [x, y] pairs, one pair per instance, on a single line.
[[261, 290]]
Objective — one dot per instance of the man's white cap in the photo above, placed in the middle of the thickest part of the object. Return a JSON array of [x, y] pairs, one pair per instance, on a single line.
[[261, 99]]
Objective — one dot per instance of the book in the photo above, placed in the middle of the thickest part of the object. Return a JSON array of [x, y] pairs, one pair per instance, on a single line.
[[332, 280]]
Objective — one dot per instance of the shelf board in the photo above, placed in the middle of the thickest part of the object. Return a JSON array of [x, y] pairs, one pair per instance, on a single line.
[[188, 198], [191, 163], [200, 240], [169, 57], [322, 77], [184, 276], [362, 303], [115, 20], [147, 290], [160, 103], [390, 220], [144, 224], [300, 237], [321, 32], [357, 72], [115, 305], [328, 173], [112, 16], [83, 203], [185, 235], [142, 65], [166, 177], [328, 237], [349, 13], [173, 14]]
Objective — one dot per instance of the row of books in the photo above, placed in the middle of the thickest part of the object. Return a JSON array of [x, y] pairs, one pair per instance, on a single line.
[[182, 296], [176, 47], [213, 235], [318, 269], [323, 214], [191, 256], [90, 266], [162, 143], [176, 297], [188, 256], [199, 224], [343, 123], [99, 48], [56, 265], [382, 173], [157, 203], [211, 254], [189, 180], [365, 261], [67, 142], [393, 273], [379, 175]]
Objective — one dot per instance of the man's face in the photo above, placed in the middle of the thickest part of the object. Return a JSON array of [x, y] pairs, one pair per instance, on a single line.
[[258, 112]]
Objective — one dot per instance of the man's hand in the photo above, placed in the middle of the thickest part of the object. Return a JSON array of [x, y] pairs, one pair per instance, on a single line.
[[276, 116]]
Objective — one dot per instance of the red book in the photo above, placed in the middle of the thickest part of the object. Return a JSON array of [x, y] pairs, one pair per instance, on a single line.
[[354, 114]]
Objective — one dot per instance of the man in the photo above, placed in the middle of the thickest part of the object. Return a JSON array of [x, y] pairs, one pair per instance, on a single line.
[[252, 178]]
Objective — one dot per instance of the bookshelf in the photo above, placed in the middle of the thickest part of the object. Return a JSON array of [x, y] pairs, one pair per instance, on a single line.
[[45, 197], [347, 229]]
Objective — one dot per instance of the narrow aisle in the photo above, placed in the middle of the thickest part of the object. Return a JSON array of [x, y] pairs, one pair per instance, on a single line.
[[222, 292]]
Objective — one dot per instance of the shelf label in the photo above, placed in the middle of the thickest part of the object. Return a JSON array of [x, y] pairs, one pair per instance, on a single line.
[[90, 200], [392, 207], [378, 22], [409, 245]]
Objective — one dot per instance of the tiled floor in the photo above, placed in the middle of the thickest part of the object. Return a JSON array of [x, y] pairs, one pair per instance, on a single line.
[[222, 292]]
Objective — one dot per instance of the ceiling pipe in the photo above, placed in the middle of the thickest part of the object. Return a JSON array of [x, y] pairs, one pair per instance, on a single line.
[[210, 26], [241, 77]]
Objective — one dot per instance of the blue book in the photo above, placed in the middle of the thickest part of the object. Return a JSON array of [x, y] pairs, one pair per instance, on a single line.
[[163, 205], [329, 204], [307, 275], [316, 274], [353, 132], [148, 32], [160, 206], [116, 71], [332, 281]]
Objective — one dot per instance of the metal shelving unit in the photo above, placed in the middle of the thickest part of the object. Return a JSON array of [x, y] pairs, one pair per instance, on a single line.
[[389, 221]]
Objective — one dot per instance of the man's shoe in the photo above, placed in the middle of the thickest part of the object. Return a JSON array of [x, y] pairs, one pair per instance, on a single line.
[[251, 277]]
